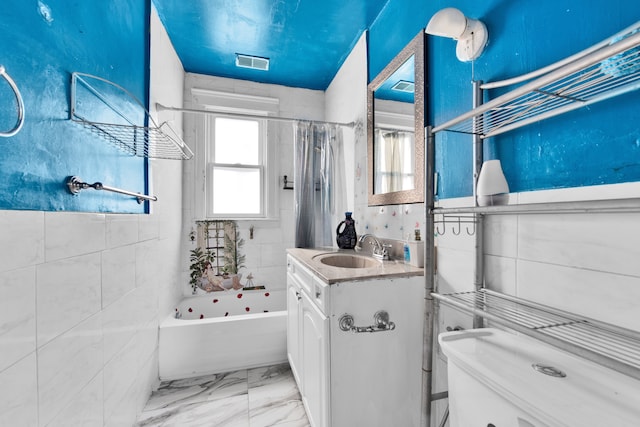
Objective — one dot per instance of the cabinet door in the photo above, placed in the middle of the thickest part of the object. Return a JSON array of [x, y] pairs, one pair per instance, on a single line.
[[315, 362], [294, 308]]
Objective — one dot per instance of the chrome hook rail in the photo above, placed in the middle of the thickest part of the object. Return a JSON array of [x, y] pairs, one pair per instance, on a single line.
[[456, 227], [380, 320], [16, 92], [75, 185]]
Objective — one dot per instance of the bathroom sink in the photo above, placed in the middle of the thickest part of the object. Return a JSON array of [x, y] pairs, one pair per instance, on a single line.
[[348, 261]]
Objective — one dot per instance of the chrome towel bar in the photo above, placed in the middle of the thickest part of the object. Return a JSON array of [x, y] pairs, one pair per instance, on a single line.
[[75, 185]]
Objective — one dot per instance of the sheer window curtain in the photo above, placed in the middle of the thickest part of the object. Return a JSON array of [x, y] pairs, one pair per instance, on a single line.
[[319, 183], [394, 161]]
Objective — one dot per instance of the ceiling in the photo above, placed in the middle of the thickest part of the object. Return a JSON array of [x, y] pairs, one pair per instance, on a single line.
[[306, 41]]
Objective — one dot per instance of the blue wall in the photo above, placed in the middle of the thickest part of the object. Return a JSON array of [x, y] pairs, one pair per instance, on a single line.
[[41, 44], [595, 145]]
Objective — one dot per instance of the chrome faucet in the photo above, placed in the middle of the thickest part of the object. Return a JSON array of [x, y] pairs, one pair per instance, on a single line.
[[379, 250]]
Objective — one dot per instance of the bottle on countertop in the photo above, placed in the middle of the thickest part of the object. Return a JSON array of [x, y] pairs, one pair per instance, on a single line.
[[346, 238]]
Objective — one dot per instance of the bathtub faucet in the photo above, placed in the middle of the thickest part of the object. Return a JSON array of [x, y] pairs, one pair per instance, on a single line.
[[178, 314]]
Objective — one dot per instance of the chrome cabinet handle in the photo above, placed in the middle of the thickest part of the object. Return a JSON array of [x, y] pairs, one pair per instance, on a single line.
[[380, 323]]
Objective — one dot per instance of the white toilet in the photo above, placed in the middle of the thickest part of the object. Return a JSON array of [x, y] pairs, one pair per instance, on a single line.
[[500, 379]]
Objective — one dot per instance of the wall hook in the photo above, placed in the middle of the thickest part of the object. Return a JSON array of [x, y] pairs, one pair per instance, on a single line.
[[288, 185], [471, 233], [457, 233]]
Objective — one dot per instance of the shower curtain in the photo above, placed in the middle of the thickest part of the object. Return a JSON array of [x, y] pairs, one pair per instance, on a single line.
[[319, 187]]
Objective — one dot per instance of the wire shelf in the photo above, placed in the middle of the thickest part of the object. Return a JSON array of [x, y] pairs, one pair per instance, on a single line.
[[607, 72], [152, 141], [611, 346]]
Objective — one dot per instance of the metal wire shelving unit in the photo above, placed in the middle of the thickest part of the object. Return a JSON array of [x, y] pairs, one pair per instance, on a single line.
[[605, 73], [606, 70], [606, 344], [152, 141]]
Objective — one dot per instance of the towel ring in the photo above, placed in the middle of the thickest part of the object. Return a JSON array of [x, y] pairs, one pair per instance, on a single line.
[[20, 121]]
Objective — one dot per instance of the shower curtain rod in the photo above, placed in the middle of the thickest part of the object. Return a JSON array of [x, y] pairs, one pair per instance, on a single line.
[[160, 107], [395, 130]]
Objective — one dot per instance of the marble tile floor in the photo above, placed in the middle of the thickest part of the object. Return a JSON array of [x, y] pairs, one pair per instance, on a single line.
[[258, 397]]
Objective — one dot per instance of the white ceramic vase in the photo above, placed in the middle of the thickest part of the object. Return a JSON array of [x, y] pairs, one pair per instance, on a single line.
[[492, 187]]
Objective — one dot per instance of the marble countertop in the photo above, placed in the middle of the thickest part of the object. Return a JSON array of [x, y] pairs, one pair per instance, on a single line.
[[330, 274]]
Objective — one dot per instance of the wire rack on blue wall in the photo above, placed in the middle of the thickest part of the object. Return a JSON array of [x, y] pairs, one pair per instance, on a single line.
[[601, 74], [115, 114]]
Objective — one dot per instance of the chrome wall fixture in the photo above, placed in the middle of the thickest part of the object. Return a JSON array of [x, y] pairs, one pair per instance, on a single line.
[[75, 185], [381, 323], [16, 92]]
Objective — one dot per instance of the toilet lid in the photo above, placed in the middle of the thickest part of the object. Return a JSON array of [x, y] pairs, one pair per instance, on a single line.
[[526, 372]]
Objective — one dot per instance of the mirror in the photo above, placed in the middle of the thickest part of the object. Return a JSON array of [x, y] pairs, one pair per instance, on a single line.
[[395, 129]]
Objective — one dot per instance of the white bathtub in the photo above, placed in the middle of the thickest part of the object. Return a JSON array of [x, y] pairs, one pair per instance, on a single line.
[[222, 332]]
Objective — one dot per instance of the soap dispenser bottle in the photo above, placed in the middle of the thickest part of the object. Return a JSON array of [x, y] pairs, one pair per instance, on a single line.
[[346, 238], [407, 253]]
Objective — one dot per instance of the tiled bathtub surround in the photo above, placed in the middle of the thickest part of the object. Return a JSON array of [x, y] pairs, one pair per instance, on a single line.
[[257, 397]]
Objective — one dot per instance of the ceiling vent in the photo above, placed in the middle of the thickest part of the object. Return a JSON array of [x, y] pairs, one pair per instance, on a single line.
[[254, 62], [404, 86]]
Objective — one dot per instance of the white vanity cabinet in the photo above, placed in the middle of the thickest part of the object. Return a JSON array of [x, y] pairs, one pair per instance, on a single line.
[[350, 378], [314, 361], [294, 312], [307, 345]]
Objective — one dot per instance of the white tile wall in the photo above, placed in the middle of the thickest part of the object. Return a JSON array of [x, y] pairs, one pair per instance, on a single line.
[[66, 365], [18, 312], [600, 242], [118, 329], [23, 233], [68, 292], [90, 285], [117, 374], [118, 273], [121, 230], [19, 393], [612, 298], [68, 234], [86, 407]]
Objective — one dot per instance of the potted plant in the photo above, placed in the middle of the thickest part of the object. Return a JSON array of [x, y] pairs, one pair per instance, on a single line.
[[200, 259], [233, 259]]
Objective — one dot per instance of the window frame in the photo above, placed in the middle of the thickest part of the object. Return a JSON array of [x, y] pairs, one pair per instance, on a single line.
[[262, 167], [231, 104]]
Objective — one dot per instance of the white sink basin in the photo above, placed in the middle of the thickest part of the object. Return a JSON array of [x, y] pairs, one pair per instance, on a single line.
[[347, 261]]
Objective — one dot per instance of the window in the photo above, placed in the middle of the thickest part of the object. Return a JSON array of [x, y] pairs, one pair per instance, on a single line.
[[237, 168]]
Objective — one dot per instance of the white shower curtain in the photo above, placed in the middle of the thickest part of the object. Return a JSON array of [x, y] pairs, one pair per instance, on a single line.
[[319, 186]]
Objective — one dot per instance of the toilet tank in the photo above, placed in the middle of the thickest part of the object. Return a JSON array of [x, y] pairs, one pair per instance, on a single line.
[[501, 379]]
